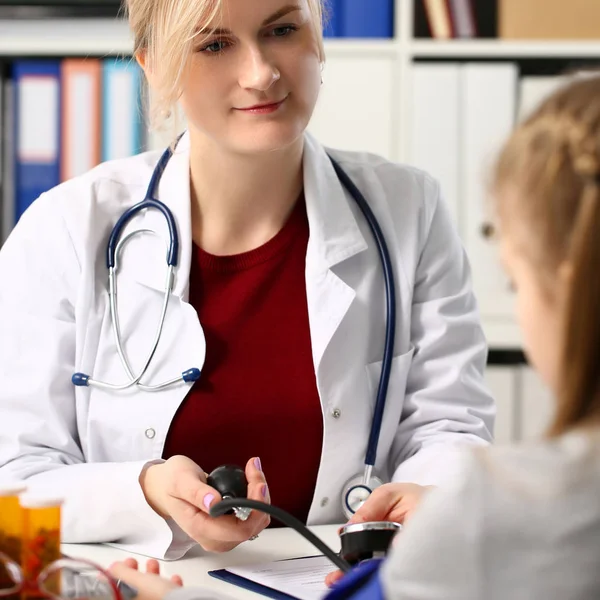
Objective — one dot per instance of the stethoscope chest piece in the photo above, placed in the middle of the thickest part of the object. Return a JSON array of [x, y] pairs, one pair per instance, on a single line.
[[356, 493], [365, 541]]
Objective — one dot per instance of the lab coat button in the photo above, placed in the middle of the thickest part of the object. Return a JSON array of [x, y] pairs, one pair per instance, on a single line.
[[336, 413], [324, 502], [150, 433]]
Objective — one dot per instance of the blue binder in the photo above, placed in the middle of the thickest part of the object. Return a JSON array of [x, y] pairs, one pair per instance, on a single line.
[[368, 18], [121, 111], [332, 26], [37, 130]]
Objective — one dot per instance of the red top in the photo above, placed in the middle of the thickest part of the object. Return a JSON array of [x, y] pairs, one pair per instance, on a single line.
[[257, 395]]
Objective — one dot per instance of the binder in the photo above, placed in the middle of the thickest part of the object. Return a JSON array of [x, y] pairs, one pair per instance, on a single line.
[[2, 149], [81, 116], [535, 89], [121, 110], [37, 122], [372, 19], [362, 576], [8, 159], [549, 20], [301, 578], [438, 17], [332, 19], [435, 127], [489, 107], [463, 18]]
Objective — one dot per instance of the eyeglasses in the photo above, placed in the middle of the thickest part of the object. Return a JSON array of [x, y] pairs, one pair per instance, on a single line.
[[63, 579]]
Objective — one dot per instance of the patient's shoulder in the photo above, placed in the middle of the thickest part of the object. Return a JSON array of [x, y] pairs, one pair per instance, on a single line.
[[549, 467]]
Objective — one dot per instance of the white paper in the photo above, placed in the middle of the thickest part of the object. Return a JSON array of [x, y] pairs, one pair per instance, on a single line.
[[302, 578]]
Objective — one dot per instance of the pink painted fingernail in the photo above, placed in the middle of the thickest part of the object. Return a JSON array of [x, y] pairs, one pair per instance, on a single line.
[[257, 463], [264, 490], [207, 500]]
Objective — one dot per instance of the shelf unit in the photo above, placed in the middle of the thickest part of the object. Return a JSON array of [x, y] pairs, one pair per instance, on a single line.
[[110, 37]]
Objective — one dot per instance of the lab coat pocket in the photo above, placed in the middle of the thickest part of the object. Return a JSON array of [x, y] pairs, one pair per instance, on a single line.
[[394, 404]]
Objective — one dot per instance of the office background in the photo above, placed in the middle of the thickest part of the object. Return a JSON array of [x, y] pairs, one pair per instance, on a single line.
[[434, 83]]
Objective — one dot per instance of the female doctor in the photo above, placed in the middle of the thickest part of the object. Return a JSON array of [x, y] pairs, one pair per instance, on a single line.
[[278, 301]]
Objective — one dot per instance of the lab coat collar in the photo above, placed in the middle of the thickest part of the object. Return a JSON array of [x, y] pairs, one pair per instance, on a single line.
[[334, 232], [334, 237]]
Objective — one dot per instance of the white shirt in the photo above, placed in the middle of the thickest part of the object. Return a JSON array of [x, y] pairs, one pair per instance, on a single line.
[[520, 523]]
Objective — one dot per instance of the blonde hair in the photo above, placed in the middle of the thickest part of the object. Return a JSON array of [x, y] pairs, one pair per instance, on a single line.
[[166, 31], [546, 185]]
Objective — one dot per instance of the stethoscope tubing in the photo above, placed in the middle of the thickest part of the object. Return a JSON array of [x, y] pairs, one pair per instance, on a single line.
[[390, 328]]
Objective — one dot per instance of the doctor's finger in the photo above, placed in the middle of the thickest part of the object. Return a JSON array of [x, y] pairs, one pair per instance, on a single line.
[[258, 520], [258, 488], [193, 490], [379, 504], [224, 529]]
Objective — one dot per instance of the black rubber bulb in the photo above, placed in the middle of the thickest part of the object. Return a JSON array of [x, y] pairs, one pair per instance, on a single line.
[[230, 481]]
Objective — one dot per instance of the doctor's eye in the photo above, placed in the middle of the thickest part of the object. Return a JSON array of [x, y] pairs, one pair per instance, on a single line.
[[214, 47], [283, 30]]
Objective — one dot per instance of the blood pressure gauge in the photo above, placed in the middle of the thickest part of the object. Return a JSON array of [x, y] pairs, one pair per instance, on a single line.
[[364, 541]]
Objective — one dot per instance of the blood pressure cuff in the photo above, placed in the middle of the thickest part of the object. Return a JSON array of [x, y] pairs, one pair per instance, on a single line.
[[361, 583]]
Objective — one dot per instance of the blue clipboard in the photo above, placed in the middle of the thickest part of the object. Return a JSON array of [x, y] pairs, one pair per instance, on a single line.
[[249, 585], [362, 583], [252, 586]]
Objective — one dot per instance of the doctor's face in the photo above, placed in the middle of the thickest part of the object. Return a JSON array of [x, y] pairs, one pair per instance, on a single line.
[[254, 76]]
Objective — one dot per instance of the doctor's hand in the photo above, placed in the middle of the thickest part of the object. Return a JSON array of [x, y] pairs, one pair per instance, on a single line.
[[391, 502], [177, 489]]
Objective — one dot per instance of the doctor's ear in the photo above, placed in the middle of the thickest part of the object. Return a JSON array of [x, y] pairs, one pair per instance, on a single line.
[[141, 56]]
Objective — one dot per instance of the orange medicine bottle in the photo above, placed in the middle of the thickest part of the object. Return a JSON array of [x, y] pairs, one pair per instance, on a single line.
[[40, 539], [11, 528]]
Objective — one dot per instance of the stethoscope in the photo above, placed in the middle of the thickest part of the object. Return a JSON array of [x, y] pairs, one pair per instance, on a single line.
[[359, 487]]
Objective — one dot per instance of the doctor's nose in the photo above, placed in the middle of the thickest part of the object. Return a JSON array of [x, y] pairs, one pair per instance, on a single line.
[[258, 72]]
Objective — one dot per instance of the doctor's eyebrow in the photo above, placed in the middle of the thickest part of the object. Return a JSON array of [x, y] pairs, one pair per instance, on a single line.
[[282, 12]]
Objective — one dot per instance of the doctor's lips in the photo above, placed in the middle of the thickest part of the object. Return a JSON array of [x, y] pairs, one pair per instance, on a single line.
[[263, 108]]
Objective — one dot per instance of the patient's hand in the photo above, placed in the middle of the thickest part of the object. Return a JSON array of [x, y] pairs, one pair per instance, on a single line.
[[149, 585]]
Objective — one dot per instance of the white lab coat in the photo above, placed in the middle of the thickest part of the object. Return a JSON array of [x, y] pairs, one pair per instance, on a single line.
[[90, 445]]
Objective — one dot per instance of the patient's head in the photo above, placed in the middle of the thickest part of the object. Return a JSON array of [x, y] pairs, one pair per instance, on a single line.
[[546, 188]]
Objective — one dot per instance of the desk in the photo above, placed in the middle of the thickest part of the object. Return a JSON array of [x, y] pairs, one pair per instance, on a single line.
[[272, 544]]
